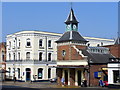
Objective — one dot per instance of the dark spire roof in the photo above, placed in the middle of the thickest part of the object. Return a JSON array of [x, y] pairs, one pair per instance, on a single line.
[[117, 41], [71, 17], [71, 36]]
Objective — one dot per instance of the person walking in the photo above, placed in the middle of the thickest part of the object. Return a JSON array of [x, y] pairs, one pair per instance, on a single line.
[[63, 81]]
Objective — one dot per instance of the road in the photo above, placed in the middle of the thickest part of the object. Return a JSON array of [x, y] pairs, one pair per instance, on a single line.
[[43, 86]]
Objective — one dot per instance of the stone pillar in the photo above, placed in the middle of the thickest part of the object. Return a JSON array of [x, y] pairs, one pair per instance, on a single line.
[[69, 77], [76, 78]]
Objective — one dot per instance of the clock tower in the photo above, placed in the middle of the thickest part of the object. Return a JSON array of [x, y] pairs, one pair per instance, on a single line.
[[71, 22], [71, 62]]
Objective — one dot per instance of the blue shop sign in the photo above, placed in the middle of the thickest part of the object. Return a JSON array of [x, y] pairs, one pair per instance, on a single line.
[[97, 74]]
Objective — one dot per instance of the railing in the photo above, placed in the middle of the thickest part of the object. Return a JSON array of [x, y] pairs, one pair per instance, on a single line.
[[31, 61]]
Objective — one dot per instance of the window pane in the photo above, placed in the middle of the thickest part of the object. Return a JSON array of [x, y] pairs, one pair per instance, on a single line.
[[49, 56], [49, 73], [40, 42], [28, 42], [40, 73], [28, 55], [49, 43], [116, 76], [40, 56]]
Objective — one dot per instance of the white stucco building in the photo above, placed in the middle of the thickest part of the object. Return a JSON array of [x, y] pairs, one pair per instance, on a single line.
[[114, 72], [32, 55]]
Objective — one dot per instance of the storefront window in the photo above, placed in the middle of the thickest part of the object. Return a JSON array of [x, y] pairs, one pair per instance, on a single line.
[[116, 77]]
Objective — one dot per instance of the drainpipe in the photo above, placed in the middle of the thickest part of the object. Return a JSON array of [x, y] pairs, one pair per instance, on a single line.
[[46, 48]]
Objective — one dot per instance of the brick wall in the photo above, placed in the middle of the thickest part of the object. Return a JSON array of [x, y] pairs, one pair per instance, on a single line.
[[114, 50], [71, 53], [2, 48], [95, 68]]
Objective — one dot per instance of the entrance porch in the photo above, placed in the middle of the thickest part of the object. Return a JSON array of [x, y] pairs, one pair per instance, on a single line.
[[72, 76]]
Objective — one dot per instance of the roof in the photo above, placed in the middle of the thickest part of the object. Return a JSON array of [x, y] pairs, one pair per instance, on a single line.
[[71, 17], [97, 57], [117, 41], [71, 36]]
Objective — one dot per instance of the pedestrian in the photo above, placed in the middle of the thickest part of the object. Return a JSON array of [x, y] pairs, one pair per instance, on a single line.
[[62, 81], [101, 83], [14, 79]]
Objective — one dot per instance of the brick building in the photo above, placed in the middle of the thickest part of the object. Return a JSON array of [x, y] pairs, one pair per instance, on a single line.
[[2, 60], [76, 60], [114, 64]]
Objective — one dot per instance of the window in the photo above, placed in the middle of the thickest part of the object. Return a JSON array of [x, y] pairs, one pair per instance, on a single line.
[[14, 44], [40, 71], [49, 73], [9, 69], [3, 56], [18, 72], [9, 56], [40, 43], [63, 53], [13, 56], [28, 56], [40, 56], [19, 44], [28, 42], [49, 56], [116, 77], [19, 56], [101, 43], [49, 43], [9, 44]]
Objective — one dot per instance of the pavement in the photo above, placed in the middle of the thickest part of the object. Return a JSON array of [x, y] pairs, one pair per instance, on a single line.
[[43, 85]]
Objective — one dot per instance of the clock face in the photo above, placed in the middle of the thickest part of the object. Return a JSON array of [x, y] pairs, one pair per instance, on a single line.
[[68, 26], [63, 52], [74, 26]]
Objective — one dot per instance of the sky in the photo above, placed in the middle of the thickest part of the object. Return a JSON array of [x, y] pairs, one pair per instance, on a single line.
[[97, 19]]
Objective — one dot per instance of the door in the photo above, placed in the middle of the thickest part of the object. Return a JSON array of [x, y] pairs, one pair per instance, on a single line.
[[79, 77], [28, 74]]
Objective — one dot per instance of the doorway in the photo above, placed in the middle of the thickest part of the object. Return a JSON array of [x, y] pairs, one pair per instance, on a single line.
[[66, 77], [79, 77], [28, 74]]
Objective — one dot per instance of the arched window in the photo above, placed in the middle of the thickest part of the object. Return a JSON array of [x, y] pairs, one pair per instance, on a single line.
[[40, 56], [28, 42], [18, 72], [28, 56], [40, 73], [49, 73]]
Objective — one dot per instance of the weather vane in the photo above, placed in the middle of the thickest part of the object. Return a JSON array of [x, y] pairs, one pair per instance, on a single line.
[[71, 4]]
